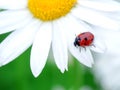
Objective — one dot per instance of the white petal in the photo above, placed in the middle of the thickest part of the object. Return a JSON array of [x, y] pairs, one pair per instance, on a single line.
[[98, 45], [40, 49], [59, 46], [17, 25], [17, 42], [101, 5], [12, 17], [83, 55], [73, 27], [13, 4], [95, 18], [114, 16]]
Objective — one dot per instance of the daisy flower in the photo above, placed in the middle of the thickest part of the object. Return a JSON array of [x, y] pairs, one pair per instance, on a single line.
[[45, 23]]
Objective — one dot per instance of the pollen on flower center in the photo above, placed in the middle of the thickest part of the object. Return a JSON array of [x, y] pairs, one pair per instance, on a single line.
[[47, 10]]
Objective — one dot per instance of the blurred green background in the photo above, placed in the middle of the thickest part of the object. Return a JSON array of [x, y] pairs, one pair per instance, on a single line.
[[17, 75]]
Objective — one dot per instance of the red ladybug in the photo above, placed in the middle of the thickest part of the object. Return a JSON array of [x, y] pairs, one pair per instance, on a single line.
[[84, 39]]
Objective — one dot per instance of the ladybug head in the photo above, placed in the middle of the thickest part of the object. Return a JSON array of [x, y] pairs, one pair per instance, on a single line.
[[76, 42]]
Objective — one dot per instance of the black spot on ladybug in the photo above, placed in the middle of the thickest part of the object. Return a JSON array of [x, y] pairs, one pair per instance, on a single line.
[[92, 39], [85, 39]]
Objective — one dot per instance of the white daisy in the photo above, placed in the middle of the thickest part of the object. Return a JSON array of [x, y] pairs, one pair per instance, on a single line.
[[40, 22]]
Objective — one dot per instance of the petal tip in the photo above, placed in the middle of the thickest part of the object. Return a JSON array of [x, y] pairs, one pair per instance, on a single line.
[[90, 66], [66, 68], [62, 70], [35, 73]]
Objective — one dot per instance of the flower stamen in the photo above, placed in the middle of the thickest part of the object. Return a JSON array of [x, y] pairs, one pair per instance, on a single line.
[[47, 10]]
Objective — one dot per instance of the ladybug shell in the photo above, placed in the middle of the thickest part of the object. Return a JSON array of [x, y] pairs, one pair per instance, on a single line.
[[84, 39]]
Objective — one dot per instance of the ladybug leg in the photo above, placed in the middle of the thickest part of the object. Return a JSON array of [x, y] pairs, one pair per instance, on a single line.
[[93, 45], [77, 46], [79, 49], [84, 48]]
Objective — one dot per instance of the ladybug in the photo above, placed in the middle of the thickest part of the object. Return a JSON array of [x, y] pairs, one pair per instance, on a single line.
[[84, 39]]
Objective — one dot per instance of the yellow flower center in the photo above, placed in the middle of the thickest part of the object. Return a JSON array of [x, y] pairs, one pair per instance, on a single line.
[[48, 10]]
